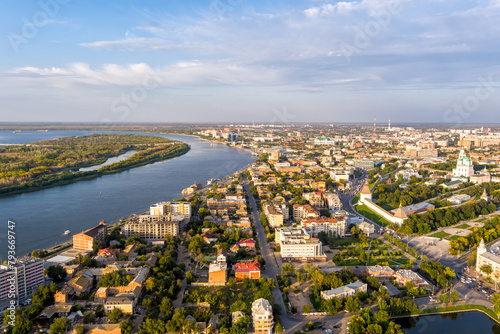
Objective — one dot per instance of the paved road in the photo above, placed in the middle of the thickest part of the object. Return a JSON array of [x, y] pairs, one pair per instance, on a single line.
[[272, 268]]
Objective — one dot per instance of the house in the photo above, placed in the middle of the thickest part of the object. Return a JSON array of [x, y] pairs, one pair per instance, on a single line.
[[249, 270], [217, 273], [221, 256], [382, 273], [47, 316], [209, 238], [235, 316], [249, 243], [404, 276], [345, 291], [100, 329], [124, 303]]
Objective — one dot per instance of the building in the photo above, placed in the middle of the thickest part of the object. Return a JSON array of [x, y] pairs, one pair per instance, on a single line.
[[304, 211], [247, 269], [153, 230], [164, 208], [365, 192], [345, 291], [124, 303], [483, 177], [303, 250], [363, 163], [458, 199], [404, 276], [274, 215], [333, 201], [217, 273], [25, 274], [366, 228], [85, 240], [262, 316], [274, 155], [100, 329], [488, 257], [331, 226], [485, 196], [415, 208], [382, 273], [465, 168]]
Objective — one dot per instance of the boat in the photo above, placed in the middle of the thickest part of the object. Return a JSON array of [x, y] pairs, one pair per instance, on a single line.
[[67, 232]]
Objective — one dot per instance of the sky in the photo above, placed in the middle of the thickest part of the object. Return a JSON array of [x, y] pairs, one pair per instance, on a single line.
[[241, 61]]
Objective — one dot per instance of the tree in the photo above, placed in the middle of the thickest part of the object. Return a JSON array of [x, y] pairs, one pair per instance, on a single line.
[[444, 298], [374, 329], [238, 305], [88, 317], [79, 328], [486, 269], [454, 296], [115, 315], [166, 307], [306, 308], [59, 326], [127, 326], [152, 326], [278, 328], [56, 273], [44, 295], [190, 277], [352, 304]]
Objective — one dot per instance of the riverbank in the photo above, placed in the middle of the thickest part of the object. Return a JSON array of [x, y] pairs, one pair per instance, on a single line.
[[137, 160], [452, 309]]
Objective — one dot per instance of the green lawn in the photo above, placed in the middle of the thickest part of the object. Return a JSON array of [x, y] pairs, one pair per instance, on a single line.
[[463, 226], [351, 262], [363, 209], [440, 235], [455, 237], [355, 199], [333, 242]]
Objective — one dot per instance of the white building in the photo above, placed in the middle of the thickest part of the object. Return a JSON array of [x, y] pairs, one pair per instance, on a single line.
[[297, 245], [488, 257], [331, 226], [345, 291], [464, 167], [333, 201], [164, 208]]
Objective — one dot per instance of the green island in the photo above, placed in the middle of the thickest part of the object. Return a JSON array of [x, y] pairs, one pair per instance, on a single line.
[[50, 163]]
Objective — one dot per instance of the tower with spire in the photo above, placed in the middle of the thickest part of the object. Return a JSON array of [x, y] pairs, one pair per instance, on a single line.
[[485, 196], [400, 215], [365, 193]]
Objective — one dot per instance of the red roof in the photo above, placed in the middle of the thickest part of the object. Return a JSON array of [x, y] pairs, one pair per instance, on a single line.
[[247, 266]]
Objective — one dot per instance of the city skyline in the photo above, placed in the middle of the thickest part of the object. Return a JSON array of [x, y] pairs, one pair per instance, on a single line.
[[240, 61]]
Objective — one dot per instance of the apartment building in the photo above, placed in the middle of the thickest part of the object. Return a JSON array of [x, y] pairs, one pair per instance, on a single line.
[[164, 208], [333, 201], [274, 215], [335, 227], [85, 240], [25, 274], [304, 211], [217, 273], [262, 316], [153, 230]]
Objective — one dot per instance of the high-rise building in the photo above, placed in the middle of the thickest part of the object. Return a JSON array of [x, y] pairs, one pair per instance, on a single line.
[[262, 316], [155, 228], [25, 274]]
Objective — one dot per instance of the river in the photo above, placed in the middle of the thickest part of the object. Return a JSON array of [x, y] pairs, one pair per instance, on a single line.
[[41, 217], [456, 323]]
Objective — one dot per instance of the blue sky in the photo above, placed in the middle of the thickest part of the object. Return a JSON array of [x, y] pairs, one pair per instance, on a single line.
[[244, 61]]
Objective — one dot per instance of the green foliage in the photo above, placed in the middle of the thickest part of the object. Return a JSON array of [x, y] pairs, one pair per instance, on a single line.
[[438, 272], [44, 295], [79, 328], [115, 315], [127, 326], [59, 326], [115, 278], [56, 273], [490, 231], [54, 162]]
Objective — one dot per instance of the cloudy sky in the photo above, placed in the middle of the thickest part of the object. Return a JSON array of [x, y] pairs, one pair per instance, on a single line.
[[244, 61]]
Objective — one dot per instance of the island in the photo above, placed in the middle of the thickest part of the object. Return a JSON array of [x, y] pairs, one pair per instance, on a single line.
[[49, 163]]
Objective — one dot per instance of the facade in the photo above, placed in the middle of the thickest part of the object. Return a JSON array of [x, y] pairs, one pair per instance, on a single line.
[[382, 273], [363, 163], [305, 250], [415, 208], [304, 211], [26, 274], [465, 168], [154, 230], [488, 257], [124, 303], [275, 215], [164, 208], [262, 316], [217, 273], [366, 227], [333, 201], [404, 276], [345, 291], [249, 270], [85, 240], [331, 226]]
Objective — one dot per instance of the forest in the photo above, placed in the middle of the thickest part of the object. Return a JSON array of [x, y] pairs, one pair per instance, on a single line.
[[48, 163]]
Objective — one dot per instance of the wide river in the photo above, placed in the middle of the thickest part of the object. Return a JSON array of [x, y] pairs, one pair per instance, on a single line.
[[41, 217], [455, 323]]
